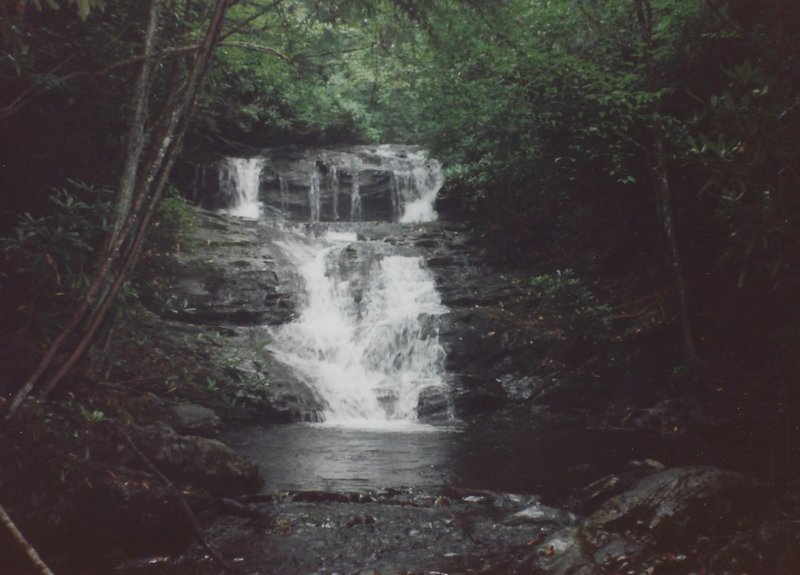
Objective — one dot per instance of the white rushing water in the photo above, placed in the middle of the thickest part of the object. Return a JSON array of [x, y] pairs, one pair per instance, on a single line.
[[239, 180], [313, 195], [366, 339], [355, 193], [426, 184], [333, 177], [414, 186]]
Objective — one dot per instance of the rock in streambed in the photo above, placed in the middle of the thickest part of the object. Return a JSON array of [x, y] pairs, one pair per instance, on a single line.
[[665, 522]]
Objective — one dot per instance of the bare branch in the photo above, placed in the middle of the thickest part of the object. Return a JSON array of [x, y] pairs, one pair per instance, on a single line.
[[19, 538], [187, 510], [256, 48], [36, 89], [240, 25]]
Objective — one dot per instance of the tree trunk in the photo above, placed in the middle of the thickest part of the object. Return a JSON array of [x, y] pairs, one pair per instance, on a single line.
[[664, 200], [663, 193], [136, 132]]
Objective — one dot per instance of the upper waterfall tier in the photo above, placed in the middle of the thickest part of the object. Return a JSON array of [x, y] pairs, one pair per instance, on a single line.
[[353, 183]]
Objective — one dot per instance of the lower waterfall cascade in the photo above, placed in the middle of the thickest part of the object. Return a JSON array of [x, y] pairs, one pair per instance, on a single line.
[[366, 339]]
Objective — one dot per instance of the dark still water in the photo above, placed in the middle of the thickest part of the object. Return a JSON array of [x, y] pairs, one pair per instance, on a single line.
[[507, 456]]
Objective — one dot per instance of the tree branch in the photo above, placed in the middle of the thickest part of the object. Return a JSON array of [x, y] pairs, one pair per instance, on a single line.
[[187, 510], [239, 25], [256, 48], [19, 538], [38, 88]]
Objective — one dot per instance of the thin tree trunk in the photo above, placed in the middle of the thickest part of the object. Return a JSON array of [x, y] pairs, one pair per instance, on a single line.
[[19, 538], [136, 133], [663, 193], [664, 198]]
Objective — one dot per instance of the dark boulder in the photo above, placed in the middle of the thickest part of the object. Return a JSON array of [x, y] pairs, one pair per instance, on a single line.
[[475, 395], [677, 504], [193, 419], [433, 404], [198, 462]]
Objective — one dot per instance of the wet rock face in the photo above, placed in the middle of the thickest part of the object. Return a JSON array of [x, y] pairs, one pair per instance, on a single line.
[[218, 297], [488, 362], [434, 404], [230, 275]]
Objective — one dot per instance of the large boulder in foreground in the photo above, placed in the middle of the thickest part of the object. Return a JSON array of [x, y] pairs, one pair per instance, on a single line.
[[676, 504], [199, 462], [675, 521]]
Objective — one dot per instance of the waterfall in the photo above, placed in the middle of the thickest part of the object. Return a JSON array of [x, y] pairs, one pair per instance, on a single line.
[[402, 191], [313, 195], [333, 179], [387, 182], [366, 339], [355, 194], [283, 186], [239, 181], [424, 183], [366, 335]]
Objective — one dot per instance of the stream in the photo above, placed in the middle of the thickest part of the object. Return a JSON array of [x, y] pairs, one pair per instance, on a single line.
[[402, 412], [403, 464]]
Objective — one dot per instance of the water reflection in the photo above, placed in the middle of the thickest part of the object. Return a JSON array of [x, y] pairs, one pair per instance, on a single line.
[[502, 456], [340, 458], [531, 457]]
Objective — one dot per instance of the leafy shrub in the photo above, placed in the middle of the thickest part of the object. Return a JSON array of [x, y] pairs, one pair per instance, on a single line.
[[173, 226], [749, 153], [50, 257], [564, 296]]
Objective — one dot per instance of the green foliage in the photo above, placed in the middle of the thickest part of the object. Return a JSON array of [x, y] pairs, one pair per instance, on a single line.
[[211, 385], [748, 151], [169, 305], [173, 226], [51, 256], [532, 104], [566, 297], [82, 7], [70, 125], [212, 337], [62, 240], [91, 416], [295, 74]]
